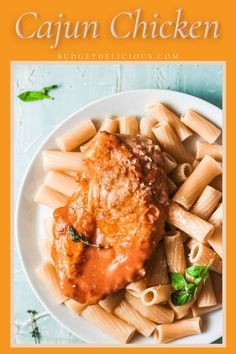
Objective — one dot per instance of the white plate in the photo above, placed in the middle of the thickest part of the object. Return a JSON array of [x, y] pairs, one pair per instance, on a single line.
[[29, 215]]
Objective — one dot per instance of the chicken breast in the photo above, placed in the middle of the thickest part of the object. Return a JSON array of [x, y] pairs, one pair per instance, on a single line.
[[119, 210]]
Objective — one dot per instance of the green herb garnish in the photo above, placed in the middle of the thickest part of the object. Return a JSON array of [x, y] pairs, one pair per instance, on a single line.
[[81, 238], [35, 330], [29, 96], [185, 291]]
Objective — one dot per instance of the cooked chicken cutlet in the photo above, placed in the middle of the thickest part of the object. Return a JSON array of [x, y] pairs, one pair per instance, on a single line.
[[119, 208]]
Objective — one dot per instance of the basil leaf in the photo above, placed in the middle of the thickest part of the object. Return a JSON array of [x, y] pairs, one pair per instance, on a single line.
[[194, 271], [49, 88], [197, 281], [177, 281], [198, 271], [181, 298], [29, 96]]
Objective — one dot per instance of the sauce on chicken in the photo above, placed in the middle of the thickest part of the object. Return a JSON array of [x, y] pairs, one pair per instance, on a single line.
[[121, 204]]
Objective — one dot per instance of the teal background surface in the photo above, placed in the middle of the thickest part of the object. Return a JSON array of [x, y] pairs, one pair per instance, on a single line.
[[81, 83]]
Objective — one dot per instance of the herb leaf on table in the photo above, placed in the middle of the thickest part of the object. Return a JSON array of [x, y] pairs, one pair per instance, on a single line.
[[29, 96], [35, 329]]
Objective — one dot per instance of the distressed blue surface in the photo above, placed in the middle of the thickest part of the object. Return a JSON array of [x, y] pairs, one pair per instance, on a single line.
[[81, 84]]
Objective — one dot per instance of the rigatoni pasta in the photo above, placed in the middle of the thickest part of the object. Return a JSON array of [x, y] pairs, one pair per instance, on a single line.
[[181, 173], [174, 251], [215, 241], [172, 188], [179, 329], [217, 183], [206, 203], [156, 294], [201, 126], [61, 183], [63, 161], [203, 255], [183, 310], [128, 125], [163, 114], [207, 295], [171, 143], [155, 313], [76, 136], [203, 148], [109, 124], [169, 162], [191, 224], [75, 306], [47, 274], [146, 125], [159, 268], [203, 174], [217, 216], [50, 198], [109, 323], [112, 301], [128, 313]]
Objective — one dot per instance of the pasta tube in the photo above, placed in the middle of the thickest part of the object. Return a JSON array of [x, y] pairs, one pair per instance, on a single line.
[[217, 216], [195, 164], [156, 294], [200, 311], [136, 288], [204, 255], [128, 313], [47, 273], [76, 136], [155, 313], [171, 143], [61, 183], [75, 306], [63, 161], [146, 125], [183, 310], [128, 125], [169, 162], [48, 227], [189, 223], [181, 173], [50, 198], [206, 203], [179, 329], [217, 286], [203, 174], [159, 268], [201, 126], [112, 301], [45, 246], [109, 323], [215, 241], [174, 251], [213, 150], [109, 124], [163, 114], [217, 183], [207, 295], [172, 188]]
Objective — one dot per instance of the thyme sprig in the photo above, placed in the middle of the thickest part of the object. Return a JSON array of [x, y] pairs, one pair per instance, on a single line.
[[35, 329], [79, 237]]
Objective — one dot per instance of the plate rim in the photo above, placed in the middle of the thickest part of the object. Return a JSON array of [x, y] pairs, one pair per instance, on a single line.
[[16, 213]]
